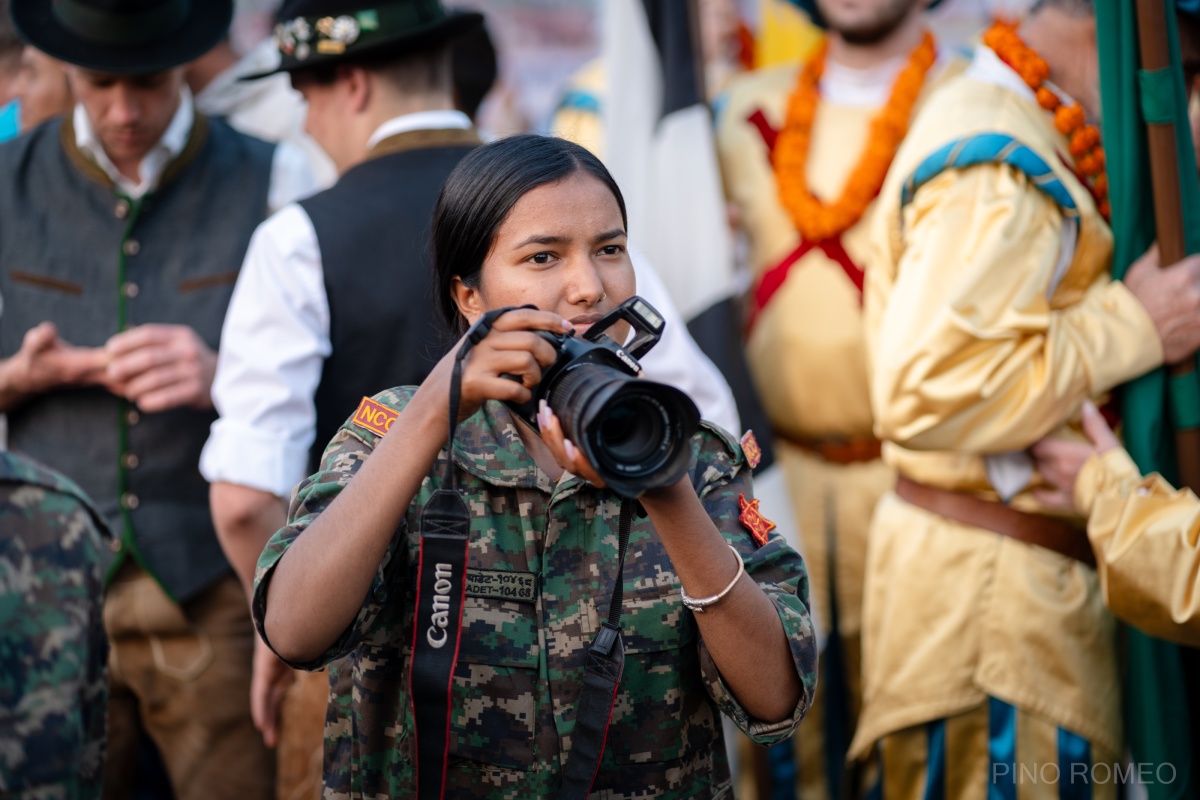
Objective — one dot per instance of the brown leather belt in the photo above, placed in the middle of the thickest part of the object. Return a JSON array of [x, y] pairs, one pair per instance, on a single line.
[[838, 451], [1053, 534]]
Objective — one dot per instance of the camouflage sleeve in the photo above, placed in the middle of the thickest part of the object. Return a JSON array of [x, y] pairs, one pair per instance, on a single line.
[[723, 483], [345, 455], [54, 685]]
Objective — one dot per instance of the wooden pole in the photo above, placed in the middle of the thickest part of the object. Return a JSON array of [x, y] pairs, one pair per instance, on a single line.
[[1155, 51]]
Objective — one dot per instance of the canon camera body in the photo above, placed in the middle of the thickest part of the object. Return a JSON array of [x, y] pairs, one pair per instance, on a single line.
[[635, 432]]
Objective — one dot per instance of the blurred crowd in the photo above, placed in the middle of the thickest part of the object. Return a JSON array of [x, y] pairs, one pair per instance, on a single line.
[[883, 242]]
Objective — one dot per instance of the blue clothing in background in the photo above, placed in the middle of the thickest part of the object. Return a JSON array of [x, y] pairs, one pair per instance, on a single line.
[[10, 121]]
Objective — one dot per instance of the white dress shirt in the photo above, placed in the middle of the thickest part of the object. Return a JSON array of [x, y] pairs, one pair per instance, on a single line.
[[292, 177], [276, 339]]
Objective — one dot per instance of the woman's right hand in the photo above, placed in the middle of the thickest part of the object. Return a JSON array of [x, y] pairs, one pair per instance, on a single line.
[[512, 348]]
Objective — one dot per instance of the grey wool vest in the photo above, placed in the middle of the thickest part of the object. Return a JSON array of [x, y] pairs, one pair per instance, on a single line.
[[76, 252]]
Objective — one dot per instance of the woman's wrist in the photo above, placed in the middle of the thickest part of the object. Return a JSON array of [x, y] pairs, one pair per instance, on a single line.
[[667, 496]]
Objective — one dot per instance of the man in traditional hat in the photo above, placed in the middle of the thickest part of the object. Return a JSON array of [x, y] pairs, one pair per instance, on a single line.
[[333, 302], [991, 318], [122, 229], [804, 149]]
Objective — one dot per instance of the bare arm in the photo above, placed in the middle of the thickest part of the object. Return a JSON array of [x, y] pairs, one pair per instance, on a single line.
[[245, 519], [742, 631]]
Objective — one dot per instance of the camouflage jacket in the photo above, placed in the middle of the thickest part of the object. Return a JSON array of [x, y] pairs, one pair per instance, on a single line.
[[541, 562], [54, 684]]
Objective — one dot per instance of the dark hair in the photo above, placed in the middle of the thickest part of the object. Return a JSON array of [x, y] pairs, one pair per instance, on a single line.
[[416, 72], [474, 69], [481, 191]]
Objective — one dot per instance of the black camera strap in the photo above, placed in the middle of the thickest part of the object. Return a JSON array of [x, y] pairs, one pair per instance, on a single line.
[[602, 675], [437, 627], [441, 594]]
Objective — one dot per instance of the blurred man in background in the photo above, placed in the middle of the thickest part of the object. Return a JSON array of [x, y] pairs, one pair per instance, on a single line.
[[42, 88], [804, 150], [122, 228], [10, 65]]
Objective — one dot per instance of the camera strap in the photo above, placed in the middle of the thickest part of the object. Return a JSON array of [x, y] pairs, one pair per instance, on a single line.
[[441, 594], [437, 627], [602, 675]]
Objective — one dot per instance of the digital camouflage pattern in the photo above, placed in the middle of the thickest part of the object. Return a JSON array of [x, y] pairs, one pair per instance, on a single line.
[[541, 561], [54, 682]]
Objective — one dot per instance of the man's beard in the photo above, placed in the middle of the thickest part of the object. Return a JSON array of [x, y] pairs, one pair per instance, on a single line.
[[875, 30]]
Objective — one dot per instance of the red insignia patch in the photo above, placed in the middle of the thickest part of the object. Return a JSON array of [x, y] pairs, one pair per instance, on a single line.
[[759, 526], [751, 450], [374, 417]]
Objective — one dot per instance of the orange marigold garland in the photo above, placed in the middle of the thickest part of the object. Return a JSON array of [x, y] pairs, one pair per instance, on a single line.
[[1083, 140], [814, 219]]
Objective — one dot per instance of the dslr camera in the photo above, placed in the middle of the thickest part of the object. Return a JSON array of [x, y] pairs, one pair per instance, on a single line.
[[636, 433]]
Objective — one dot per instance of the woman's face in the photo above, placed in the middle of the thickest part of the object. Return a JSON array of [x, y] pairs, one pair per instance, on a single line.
[[561, 248]]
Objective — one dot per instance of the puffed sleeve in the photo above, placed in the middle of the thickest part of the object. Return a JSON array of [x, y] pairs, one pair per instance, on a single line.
[[1146, 536], [724, 485], [343, 458], [971, 357]]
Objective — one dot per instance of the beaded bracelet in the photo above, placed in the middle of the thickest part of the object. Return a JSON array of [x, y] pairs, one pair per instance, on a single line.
[[700, 604]]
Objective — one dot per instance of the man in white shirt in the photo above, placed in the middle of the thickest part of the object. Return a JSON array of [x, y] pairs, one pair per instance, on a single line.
[[334, 301], [122, 229]]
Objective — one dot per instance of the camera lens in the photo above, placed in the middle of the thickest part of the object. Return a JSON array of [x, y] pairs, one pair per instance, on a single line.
[[635, 432], [631, 430]]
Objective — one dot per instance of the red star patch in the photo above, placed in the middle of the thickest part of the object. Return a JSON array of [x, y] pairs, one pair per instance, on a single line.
[[751, 450], [759, 526]]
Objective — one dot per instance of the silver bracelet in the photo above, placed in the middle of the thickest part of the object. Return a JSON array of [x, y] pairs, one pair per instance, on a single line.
[[700, 604]]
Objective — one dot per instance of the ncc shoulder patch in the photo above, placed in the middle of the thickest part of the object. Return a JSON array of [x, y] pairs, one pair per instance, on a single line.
[[751, 449], [759, 526], [374, 417]]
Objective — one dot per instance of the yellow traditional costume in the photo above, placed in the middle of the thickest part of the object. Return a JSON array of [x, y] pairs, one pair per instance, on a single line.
[[1146, 535], [807, 355], [991, 317]]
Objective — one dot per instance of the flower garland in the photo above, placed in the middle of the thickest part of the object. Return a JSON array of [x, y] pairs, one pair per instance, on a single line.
[[817, 221], [1083, 140]]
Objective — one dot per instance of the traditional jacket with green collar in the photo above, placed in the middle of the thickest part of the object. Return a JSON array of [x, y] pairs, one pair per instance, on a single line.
[[77, 252]]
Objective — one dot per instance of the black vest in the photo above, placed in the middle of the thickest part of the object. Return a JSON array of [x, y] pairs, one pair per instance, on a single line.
[[76, 252], [373, 231]]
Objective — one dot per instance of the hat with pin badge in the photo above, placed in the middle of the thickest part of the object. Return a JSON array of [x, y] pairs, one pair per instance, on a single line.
[[310, 33]]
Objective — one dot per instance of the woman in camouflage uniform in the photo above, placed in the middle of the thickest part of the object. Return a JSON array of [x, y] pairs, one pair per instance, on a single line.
[[533, 220]]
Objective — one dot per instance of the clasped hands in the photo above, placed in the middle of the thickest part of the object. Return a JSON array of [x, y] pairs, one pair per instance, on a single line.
[[157, 367]]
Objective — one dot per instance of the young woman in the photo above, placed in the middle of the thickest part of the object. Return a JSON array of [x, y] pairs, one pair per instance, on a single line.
[[534, 220]]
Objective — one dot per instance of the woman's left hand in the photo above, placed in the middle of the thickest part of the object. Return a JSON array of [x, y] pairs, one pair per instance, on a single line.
[[568, 456]]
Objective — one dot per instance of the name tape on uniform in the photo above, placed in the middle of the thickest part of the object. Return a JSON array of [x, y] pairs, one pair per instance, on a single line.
[[374, 417], [498, 584]]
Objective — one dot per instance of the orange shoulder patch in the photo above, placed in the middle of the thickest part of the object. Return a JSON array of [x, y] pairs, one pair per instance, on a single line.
[[759, 526], [751, 450], [374, 417]]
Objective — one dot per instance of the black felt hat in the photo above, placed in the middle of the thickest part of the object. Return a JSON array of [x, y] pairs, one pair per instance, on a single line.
[[123, 36], [310, 33]]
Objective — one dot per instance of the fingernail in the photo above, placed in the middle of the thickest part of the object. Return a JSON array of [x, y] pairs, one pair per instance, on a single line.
[[567, 325], [570, 448]]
